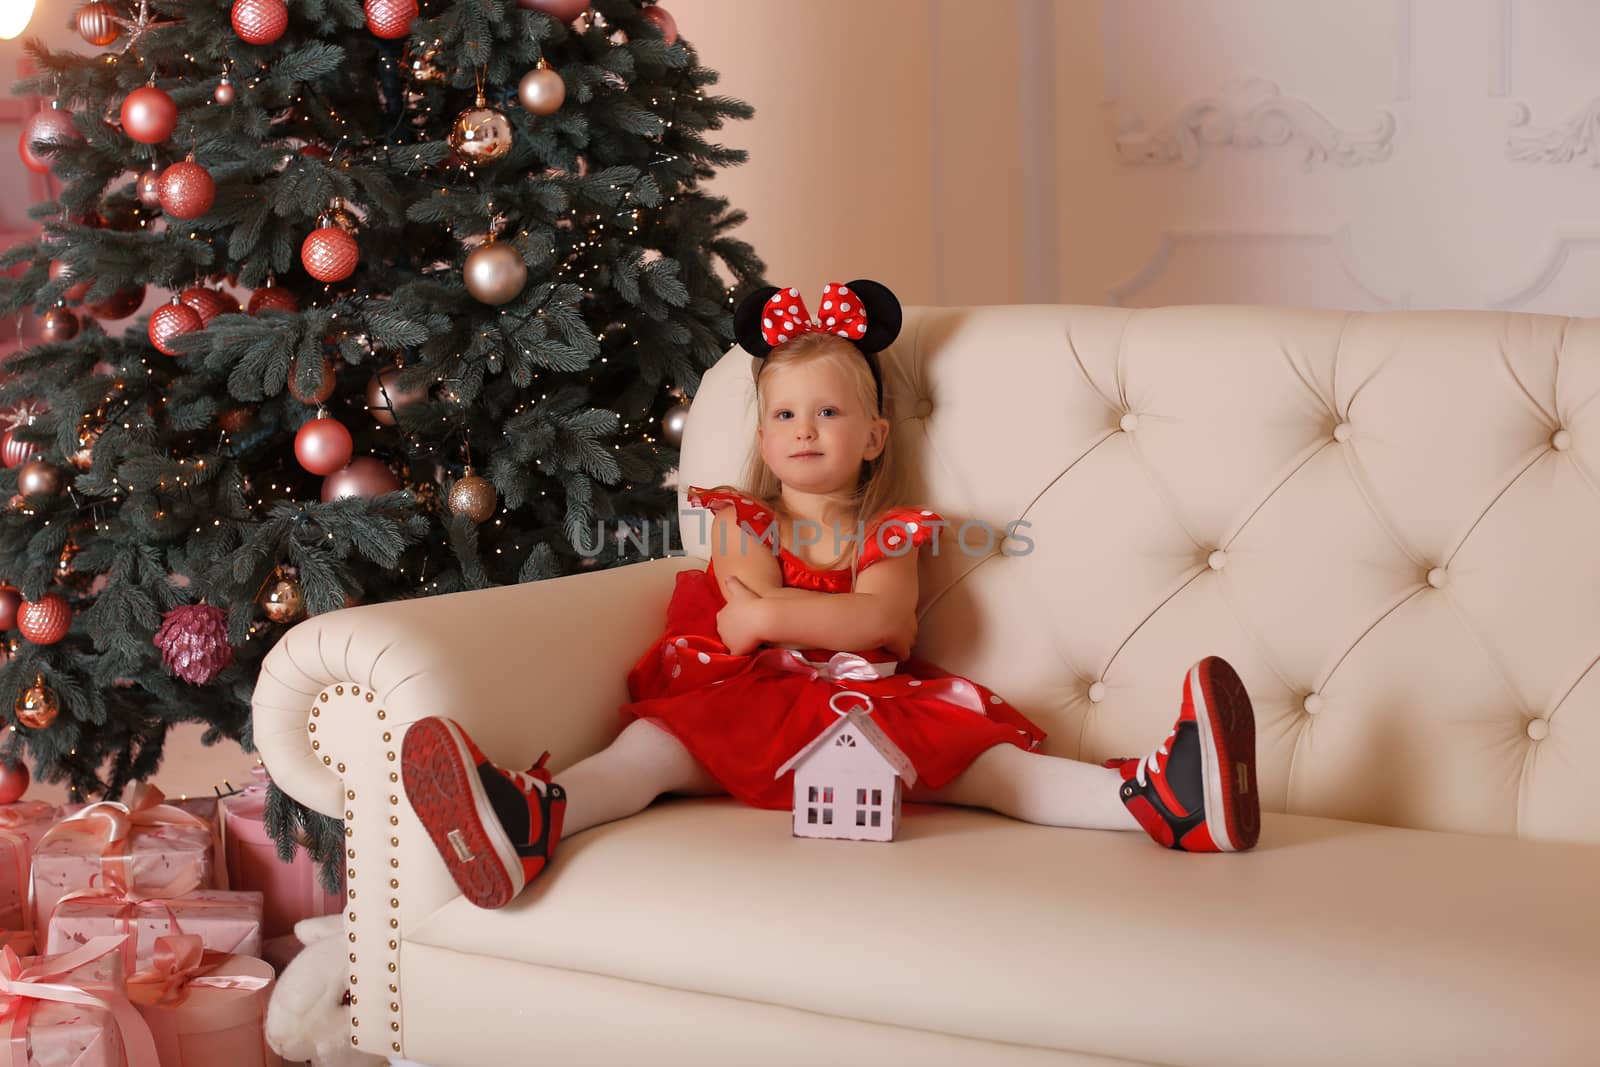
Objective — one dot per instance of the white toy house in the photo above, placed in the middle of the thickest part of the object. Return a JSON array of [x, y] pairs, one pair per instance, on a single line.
[[847, 781]]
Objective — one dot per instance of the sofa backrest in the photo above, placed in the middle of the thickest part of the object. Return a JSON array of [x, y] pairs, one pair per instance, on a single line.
[[1389, 523]]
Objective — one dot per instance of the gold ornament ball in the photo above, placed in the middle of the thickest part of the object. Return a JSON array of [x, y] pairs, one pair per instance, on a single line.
[[673, 422], [542, 91], [481, 134], [495, 273], [283, 600], [37, 706], [473, 497], [38, 478]]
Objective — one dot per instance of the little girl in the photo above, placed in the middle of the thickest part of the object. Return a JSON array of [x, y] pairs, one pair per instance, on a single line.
[[759, 645]]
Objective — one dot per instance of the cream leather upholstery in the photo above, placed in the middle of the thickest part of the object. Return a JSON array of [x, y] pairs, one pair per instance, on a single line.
[[1390, 524]]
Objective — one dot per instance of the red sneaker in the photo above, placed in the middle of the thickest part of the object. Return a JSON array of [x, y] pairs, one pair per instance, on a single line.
[[1197, 790], [494, 828]]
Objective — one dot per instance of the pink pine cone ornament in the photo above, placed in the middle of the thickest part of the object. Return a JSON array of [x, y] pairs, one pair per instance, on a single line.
[[193, 640]]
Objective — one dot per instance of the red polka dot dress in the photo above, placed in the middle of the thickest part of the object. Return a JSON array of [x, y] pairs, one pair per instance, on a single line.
[[744, 717]]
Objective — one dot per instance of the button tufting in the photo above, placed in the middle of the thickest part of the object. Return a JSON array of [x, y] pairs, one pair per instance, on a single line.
[[1129, 422], [1538, 729], [1217, 560], [1343, 432], [923, 409], [1561, 440], [1438, 577], [1097, 692], [1313, 703]]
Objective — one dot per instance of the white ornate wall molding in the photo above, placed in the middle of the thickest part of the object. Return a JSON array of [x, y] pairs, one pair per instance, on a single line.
[[1557, 253], [1336, 243], [1253, 113], [1575, 139]]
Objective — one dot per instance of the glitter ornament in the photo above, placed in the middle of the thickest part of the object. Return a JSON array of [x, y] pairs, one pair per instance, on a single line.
[[187, 190], [46, 620], [473, 496], [171, 320], [148, 115], [37, 706], [329, 254], [481, 134], [193, 640], [260, 21], [390, 19]]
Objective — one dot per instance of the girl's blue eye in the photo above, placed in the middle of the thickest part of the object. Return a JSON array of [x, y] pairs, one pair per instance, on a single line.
[[779, 414], [830, 411]]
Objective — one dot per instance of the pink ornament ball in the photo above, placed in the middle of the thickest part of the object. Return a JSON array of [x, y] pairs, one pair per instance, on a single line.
[[365, 477], [560, 10], [14, 781], [148, 115], [323, 446], [10, 601]]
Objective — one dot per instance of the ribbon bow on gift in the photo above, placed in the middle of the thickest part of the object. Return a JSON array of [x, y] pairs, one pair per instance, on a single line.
[[785, 315], [181, 963], [44, 980], [114, 823]]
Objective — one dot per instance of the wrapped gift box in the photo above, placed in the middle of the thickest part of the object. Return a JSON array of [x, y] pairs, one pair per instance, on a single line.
[[70, 1011], [21, 826], [292, 890], [205, 1009], [227, 922], [147, 847]]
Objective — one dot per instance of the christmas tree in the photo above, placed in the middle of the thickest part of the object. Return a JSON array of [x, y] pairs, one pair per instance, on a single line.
[[476, 262]]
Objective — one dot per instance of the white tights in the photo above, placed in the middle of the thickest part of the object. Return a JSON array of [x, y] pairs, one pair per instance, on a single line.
[[646, 761]]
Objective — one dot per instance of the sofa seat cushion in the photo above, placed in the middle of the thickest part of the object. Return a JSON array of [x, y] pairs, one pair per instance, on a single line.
[[1332, 943]]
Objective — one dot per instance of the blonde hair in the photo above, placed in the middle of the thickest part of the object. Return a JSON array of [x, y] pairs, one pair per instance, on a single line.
[[881, 483]]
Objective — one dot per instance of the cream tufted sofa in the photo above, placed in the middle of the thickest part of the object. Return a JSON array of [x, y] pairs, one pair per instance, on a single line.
[[1389, 523]]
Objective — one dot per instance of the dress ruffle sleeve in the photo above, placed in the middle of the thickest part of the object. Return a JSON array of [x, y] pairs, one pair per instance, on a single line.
[[897, 532]]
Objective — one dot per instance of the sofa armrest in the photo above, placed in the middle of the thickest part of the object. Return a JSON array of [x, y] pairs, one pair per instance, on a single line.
[[524, 668]]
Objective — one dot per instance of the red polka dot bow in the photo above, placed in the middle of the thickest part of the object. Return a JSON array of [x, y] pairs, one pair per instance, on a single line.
[[785, 315]]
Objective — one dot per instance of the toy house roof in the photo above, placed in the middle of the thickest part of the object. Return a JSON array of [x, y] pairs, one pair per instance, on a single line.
[[867, 728]]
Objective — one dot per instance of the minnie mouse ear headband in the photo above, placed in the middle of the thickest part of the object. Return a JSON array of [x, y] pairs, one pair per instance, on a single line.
[[863, 312]]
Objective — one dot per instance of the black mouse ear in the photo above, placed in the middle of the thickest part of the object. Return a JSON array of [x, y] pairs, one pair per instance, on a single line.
[[883, 314], [747, 321]]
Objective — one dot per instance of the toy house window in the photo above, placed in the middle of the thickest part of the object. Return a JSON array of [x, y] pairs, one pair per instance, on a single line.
[[845, 741], [877, 798], [877, 818], [861, 817], [861, 797], [827, 816], [827, 794], [811, 813], [811, 796]]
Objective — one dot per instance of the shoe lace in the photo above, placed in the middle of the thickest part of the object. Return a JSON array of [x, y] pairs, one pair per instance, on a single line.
[[1152, 761]]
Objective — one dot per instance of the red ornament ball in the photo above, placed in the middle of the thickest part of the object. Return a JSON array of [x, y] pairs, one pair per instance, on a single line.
[[323, 446], [323, 391], [10, 601], [14, 781], [60, 271], [208, 303], [59, 324], [224, 92], [662, 20], [272, 298], [561, 10], [260, 21], [390, 19], [46, 620], [329, 254], [193, 640], [187, 190], [50, 126], [365, 477], [148, 115], [120, 304], [15, 453], [170, 320]]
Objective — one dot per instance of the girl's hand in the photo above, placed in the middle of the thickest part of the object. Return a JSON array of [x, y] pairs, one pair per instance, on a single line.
[[741, 619]]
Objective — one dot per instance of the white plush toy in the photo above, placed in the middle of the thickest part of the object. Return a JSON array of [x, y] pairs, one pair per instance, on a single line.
[[307, 1018]]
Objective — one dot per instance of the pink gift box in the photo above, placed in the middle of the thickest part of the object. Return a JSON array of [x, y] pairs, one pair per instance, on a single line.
[[148, 848], [224, 921], [71, 1011], [292, 890], [21, 827], [212, 1018]]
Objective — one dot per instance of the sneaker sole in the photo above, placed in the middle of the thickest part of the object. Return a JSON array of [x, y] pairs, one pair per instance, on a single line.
[[1228, 748], [442, 784]]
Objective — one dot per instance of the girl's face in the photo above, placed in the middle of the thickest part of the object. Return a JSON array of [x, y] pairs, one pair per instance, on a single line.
[[814, 432]]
